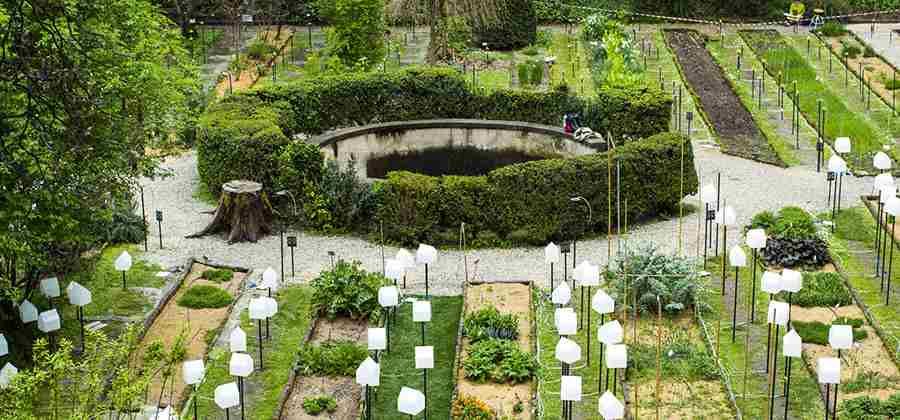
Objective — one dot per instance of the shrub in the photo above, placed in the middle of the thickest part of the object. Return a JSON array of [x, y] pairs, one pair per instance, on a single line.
[[349, 200], [832, 29], [890, 83], [205, 297], [300, 163], [123, 226], [331, 358], [763, 220], [531, 50], [514, 26], [682, 358], [651, 274], [866, 380], [864, 407], [821, 289], [316, 405], [409, 206], [467, 407], [796, 253], [817, 333], [892, 405], [499, 361], [850, 51], [869, 52], [793, 223], [356, 31], [260, 50], [218, 275], [347, 290], [488, 322]]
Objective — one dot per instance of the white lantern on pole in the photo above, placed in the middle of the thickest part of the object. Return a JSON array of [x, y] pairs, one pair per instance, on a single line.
[[237, 340], [737, 257], [7, 374], [388, 296], [424, 357], [771, 282], [842, 145], [885, 193], [726, 216], [708, 194], [78, 294], [48, 321], [406, 258], [610, 407], [257, 309], [271, 306], [368, 373], [837, 165], [567, 322], [567, 351], [28, 312], [611, 332], [793, 344], [227, 395], [562, 295], [241, 364], [791, 281], [881, 161], [617, 356], [193, 371], [570, 388], [892, 206], [778, 313], [602, 303], [4, 346], [829, 370], [410, 401], [123, 262], [377, 338], [558, 312], [883, 181], [50, 287], [269, 280], [394, 270], [840, 337], [426, 254], [756, 239], [590, 275], [551, 253], [421, 311]]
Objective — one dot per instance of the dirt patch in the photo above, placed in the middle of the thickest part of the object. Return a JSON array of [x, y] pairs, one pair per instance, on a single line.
[[824, 315], [340, 329], [681, 400], [196, 323], [731, 121], [508, 298], [343, 388]]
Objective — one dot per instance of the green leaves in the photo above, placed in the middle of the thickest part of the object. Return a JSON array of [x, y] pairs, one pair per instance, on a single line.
[[499, 361], [347, 290], [488, 322], [647, 273], [331, 358]]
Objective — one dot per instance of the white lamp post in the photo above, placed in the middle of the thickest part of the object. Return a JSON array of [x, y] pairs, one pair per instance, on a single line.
[[837, 166], [551, 256], [227, 396], [884, 194], [269, 280], [410, 401], [388, 298], [422, 314], [424, 357], [394, 270], [791, 282], [588, 275], [569, 392], [562, 294], [27, 312], [6, 374], [49, 322], [237, 340], [376, 340], [426, 254], [881, 161], [610, 407], [240, 365], [4, 346], [79, 296], [258, 310], [193, 372], [756, 240], [829, 370], [708, 194], [603, 304], [123, 264], [725, 217], [407, 260], [778, 315], [738, 259], [566, 321], [50, 288], [616, 358], [368, 374], [793, 348]]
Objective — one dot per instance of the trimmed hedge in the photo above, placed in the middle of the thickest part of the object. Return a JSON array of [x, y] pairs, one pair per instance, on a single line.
[[530, 201], [515, 27], [244, 134]]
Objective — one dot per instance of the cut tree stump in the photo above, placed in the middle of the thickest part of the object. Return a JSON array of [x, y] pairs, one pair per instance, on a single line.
[[244, 213]]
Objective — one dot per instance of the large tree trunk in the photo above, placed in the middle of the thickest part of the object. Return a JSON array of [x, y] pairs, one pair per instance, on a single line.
[[438, 48], [244, 213]]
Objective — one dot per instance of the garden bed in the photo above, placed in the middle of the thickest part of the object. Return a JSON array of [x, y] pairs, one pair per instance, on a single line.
[[729, 118]]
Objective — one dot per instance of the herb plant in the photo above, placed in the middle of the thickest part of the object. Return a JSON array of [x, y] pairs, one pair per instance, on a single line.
[[316, 405], [499, 361], [331, 358], [348, 290], [488, 322]]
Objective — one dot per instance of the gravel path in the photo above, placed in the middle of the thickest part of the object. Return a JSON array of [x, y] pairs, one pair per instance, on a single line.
[[749, 186], [882, 40]]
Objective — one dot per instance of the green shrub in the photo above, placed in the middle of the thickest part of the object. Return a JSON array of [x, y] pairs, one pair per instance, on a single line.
[[218, 275], [864, 407], [499, 361], [531, 50], [523, 73], [763, 220], [684, 359], [892, 405], [651, 274], [869, 52], [123, 226], [260, 50], [316, 405], [817, 333], [356, 31], [849, 50], [300, 163], [348, 199], [331, 358], [866, 380], [467, 407], [205, 297], [821, 289], [348, 290], [465, 199], [793, 223], [832, 29], [488, 322], [890, 83], [409, 206]]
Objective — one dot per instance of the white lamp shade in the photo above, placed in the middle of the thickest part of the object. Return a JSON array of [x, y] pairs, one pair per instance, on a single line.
[[388, 296], [6, 374], [829, 370], [756, 239], [562, 295], [4, 346], [421, 311], [271, 306], [377, 338], [881, 161], [778, 313], [164, 414], [50, 287], [842, 145], [708, 194], [558, 312], [617, 356], [791, 281], [883, 181], [123, 262], [840, 337], [237, 340], [771, 282], [837, 165], [602, 303], [405, 258], [737, 257], [567, 351], [48, 321], [257, 309], [393, 269], [424, 357], [241, 364], [570, 388], [610, 332], [567, 322], [193, 371], [892, 206], [227, 395], [551, 253], [410, 401], [426, 254], [368, 373], [589, 275], [28, 312], [793, 344], [610, 407], [269, 279], [78, 294], [726, 216], [885, 193]]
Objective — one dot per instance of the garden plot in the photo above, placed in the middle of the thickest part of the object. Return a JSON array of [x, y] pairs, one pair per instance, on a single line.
[[864, 62], [196, 309], [730, 119]]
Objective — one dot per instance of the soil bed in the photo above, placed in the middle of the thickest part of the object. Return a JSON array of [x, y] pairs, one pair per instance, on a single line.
[[732, 122]]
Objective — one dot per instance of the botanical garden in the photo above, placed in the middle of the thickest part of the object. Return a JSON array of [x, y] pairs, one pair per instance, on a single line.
[[446, 209]]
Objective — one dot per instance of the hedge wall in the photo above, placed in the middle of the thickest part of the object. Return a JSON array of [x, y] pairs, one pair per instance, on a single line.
[[242, 134], [529, 202]]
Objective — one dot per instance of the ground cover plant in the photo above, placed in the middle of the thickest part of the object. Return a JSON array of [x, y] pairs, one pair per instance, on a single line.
[[488, 323], [646, 273], [205, 297], [500, 361], [820, 289], [347, 290], [331, 358], [218, 275], [320, 404], [817, 332], [471, 408], [793, 241], [867, 407]]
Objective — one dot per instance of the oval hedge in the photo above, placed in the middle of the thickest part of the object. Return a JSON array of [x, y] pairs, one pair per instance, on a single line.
[[242, 135]]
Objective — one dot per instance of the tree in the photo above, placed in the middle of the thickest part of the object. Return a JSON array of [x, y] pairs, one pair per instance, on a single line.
[[357, 32], [86, 87]]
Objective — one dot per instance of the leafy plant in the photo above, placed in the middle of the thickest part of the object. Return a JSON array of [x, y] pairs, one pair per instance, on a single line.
[[864, 407], [260, 50], [821, 289], [349, 199], [331, 358], [218, 275], [849, 50], [681, 358], [348, 290], [892, 405], [123, 226], [499, 361], [832, 29], [793, 223], [796, 253], [652, 274], [869, 52], [488, 322], [467, 407], [356, 34], [205, 297], [531, 50], [763, 220], [318, 404], [817, 333], [866, 380]]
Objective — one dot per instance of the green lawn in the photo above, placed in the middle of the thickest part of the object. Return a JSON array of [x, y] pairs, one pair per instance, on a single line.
[[398, 365], [288, 328]]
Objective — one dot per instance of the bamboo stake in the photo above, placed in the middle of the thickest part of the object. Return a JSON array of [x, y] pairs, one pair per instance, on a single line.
[[658, 353]]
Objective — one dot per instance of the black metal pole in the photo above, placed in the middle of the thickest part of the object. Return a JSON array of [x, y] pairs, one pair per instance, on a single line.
[[81, 321], [787, 385], [588, 329], [552, 286], [423, 333], [887, 295], [123, 281], [705, 233], [600, 363], [768, 343], [144, 219], [281, 248], [836, 389], [159, 225], [425, 387], [753, 291], [724, 247], [292, 262], [774, 370], [196, 417], [827, 400], [241, 393], [718, 197], [426, 281], [884, 254], [878, 234], [734, 305], [260, 341]]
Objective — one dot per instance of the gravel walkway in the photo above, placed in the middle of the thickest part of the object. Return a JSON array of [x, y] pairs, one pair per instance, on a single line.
[[748, 186]]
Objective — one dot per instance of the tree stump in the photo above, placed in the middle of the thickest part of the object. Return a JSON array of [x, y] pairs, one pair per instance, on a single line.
[[244, 213]]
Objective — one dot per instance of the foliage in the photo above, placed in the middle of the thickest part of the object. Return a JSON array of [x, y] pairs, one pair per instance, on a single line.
[[613, 59], [817, 333], [459, 34], [513, 25], [832, 28], [347, 290], [531, 73], [681, 358], [863, 407], [763, 220], [793, 223], [849, 49], [867, 380], [796, 253], [869, 52], [218, 275], [467, 407], [124, 226], [821, 289], [316, 405], [356, 34], [488, 322], [892, 405], [205, 297], [652, 275], [331, 358], [260, 50], [499, 361], [349, 199], [300, 163]]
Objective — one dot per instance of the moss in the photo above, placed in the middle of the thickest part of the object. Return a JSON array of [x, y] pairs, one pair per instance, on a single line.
[[205, 297], [218, 275]]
